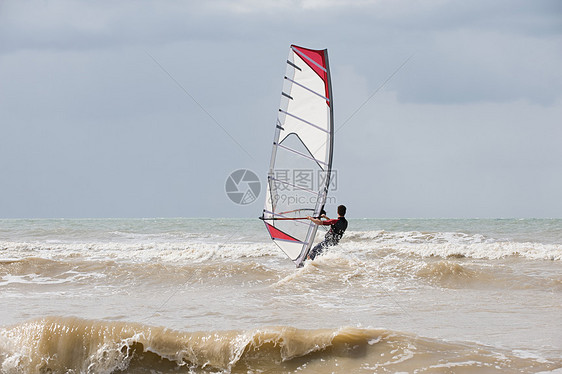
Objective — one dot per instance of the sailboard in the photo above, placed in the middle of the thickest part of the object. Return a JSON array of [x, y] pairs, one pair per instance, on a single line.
[[301, 158]]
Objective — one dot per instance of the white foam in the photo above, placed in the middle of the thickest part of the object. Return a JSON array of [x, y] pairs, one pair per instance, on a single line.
[[448, 244], [31, 279], [195, 249], [173, 252]]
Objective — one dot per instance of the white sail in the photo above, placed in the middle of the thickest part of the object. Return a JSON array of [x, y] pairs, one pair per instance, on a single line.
[[301, 160]]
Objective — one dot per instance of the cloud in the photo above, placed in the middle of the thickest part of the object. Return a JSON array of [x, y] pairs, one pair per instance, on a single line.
[[419, 160], [90, 125], [482, 67]]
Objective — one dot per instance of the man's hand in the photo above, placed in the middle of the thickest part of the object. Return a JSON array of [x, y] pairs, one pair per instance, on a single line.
[[315, 220]]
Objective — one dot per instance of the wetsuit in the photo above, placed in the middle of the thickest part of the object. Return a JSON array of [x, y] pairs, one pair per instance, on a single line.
[[333, 236]]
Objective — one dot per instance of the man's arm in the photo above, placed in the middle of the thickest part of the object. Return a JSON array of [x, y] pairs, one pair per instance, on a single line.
[[315, 220], [327, 222]]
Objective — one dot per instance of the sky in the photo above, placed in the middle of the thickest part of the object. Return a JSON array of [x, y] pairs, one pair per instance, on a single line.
[[443, 109]]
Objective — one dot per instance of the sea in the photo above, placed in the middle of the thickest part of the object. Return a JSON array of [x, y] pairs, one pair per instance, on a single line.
[[217, 296]]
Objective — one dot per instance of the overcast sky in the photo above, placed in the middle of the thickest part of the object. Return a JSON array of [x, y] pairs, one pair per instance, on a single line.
[[94, 121]]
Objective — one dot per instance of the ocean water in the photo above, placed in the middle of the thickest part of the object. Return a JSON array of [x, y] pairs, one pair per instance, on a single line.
[[217, 296]]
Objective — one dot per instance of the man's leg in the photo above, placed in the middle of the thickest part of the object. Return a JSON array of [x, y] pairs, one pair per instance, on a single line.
[[317, 250]]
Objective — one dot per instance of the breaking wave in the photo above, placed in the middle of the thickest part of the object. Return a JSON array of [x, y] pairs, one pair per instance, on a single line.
[[72, 345], [448, 245], [445, 245]]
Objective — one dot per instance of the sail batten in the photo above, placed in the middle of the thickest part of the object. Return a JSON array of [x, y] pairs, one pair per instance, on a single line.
[[301, 159], [308, 89], [304, 121], [293, 65], [300, 154]]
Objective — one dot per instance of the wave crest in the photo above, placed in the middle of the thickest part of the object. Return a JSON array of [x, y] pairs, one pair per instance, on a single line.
[[72, 345], [64, 344], [449, 245]]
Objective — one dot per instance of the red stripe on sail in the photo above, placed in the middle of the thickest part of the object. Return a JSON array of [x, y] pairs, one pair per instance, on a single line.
[[319, 57], [278, 234]]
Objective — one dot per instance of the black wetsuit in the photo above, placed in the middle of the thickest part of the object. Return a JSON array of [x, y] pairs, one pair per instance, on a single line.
[[338, 227]]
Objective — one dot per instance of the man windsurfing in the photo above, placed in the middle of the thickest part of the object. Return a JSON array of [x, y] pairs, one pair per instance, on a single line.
[[338, 227]]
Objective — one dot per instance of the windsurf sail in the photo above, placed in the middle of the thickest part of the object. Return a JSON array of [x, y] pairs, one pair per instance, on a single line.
[[301, 159]]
